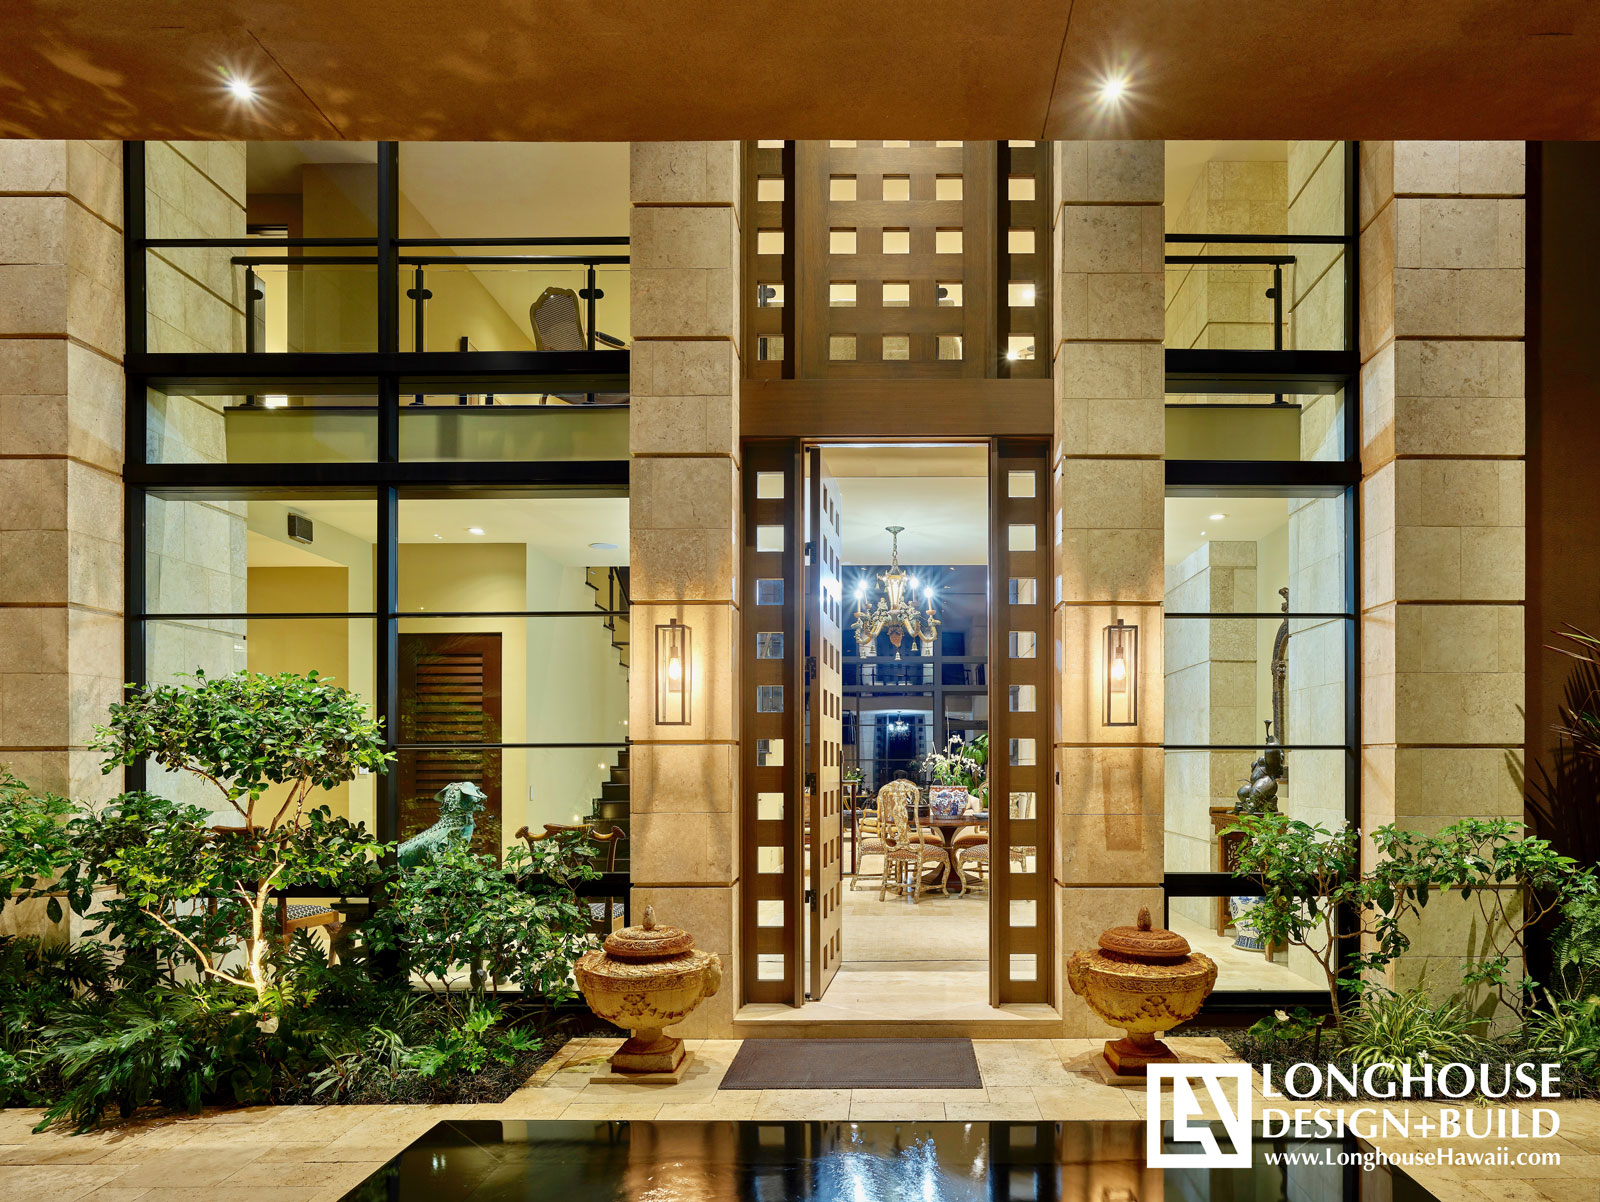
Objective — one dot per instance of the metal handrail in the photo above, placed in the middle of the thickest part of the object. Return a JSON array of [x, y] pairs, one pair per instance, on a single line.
[[418, 292], [1276, 262]]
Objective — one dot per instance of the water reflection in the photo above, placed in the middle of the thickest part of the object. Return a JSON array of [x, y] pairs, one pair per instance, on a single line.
[[844, 1162]]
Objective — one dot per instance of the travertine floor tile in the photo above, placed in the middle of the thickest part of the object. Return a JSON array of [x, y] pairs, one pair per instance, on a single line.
[[817, 1104], [897, 1112]]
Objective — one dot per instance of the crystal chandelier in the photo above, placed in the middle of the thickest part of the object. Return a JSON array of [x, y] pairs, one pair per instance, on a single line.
[[895, 612]]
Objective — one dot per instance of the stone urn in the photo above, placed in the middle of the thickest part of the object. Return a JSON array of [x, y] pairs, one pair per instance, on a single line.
[[647, 978], [1144, 980]]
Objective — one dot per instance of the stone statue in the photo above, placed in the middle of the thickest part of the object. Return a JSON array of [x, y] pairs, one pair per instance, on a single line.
[[1280, 681], [459, 803]]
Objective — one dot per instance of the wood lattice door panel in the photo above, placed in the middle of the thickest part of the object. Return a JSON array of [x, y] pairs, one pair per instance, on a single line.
[[824, 593], [1021, 830], [897, 260], [773, 726], [450, 695], [895, 254]]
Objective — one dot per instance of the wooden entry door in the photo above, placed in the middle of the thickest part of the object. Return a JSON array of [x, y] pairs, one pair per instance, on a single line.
[[449, 697], [824, 594]]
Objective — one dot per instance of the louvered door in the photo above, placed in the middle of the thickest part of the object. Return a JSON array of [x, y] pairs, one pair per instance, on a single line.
[[824, 584], [450, 704]]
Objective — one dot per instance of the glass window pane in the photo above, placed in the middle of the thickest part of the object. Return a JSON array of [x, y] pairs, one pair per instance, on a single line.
[[340, 650], [769, 591], [531, 427], [1285, 427], [542, 551], [306, 551], [769, 645], [273, 426], [1238, 554]]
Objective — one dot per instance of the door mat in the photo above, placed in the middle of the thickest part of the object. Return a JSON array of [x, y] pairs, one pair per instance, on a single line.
[[854, 1064]]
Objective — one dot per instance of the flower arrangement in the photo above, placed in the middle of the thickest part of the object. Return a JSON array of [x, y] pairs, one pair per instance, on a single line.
[[961, 764]]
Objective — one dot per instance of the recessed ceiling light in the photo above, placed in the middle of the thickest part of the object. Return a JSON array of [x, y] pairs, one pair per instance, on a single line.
[[241, 89], [438, 536], [474, 529], [275, 401], [1217, 517], [1202, 534], [602, 546], [1113, 88]]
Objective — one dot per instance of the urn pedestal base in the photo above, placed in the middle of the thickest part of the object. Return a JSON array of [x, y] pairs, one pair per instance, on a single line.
[[1131, 1055], [650, 1057]]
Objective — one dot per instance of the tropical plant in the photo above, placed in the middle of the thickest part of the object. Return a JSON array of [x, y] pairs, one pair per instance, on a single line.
[[175, 1047], [1392, 1032], [960, 763], [460, 916], [38, 978], [1566, 1031], [248, 736], [1575, 947], [1580, 716], [1515, 881], [1308, 875], [34, 843]]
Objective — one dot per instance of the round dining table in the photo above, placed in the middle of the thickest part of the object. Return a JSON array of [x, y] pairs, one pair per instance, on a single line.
[[947, 825]]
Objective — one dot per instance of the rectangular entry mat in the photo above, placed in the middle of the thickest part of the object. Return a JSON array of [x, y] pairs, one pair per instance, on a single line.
[[854, 1064]]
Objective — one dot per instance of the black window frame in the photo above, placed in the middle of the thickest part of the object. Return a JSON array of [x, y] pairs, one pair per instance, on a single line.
[[389, 373], [1280, 372]]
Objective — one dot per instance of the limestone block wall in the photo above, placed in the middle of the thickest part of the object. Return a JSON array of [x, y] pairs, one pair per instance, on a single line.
[[1442, 587], [683, 553], [1211, 681], [1109, 502], [1226, 307], [1315, 286], [61, 396]]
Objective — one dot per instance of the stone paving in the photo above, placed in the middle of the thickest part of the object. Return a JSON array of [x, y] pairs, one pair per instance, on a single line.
[[317, 1153]]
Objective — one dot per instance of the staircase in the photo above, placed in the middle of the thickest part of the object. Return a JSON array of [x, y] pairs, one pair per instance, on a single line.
[[611, 808], [610, 587]]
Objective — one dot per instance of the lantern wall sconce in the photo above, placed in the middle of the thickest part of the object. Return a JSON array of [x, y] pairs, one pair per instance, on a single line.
[[1120, 676], [674, 674]]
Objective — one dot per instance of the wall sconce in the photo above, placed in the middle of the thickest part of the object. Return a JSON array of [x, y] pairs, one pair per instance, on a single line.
[[1120, 687], [674, 674]]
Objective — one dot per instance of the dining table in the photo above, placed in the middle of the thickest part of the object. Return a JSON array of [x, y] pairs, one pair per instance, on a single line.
[[947, 825]]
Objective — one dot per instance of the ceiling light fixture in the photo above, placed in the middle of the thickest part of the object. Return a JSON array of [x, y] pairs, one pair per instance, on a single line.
[[602, 546], [1113, 88], [1217, 517], [475, 530], [241, 90]]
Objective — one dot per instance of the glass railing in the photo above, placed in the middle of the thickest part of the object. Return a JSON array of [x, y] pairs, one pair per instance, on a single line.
[[1257, 292], [320, 296]]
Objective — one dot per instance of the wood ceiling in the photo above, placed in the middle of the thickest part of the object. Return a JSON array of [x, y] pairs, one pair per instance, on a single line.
[[643, 69]]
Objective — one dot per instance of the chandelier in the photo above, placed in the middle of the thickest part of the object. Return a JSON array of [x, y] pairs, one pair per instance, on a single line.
[[896, 612]]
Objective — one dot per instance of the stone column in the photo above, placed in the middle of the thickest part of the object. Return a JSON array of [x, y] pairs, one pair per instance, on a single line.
[[683, 555], [1442, 588], [61, 433], [1110, 496]]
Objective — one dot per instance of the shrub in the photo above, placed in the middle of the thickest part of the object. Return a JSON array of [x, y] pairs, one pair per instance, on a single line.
[[1406, 1029], [519, 923], [1565, 1031], [176, 1047], [245, 735], [34, 843], [1575, 948]]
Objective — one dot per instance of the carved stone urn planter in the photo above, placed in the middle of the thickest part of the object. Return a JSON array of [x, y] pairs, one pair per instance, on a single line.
[[1143, 980], [647, 978]]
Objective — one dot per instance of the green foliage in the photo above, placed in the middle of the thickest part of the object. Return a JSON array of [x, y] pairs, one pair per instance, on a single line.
[[1580, 717], [245, 733], [960, 763], [197, 893], [1282, 1026], [34, 843], [37, 980], [519, 923], [1575, 947], [1566, 1030], [1406, 1029], [176, 1047]]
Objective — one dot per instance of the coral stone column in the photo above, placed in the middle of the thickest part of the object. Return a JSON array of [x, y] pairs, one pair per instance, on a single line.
[[61, 429], [684, 507], [1110, 494], [1442, 433]]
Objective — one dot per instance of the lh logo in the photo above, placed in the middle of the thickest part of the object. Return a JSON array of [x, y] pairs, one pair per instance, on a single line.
[[1188, 1127]]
